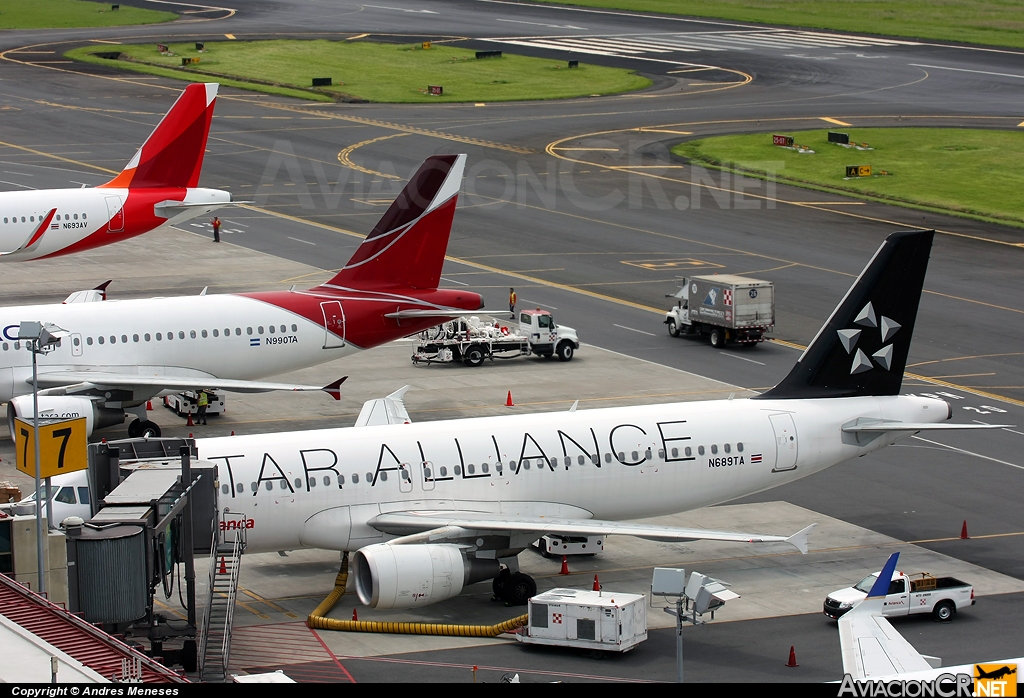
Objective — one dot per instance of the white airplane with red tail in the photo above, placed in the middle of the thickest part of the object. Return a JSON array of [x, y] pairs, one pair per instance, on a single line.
[[158, 187], [117, 354]]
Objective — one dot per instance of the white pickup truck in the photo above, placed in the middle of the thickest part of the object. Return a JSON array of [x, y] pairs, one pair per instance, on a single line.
[[940, 596]]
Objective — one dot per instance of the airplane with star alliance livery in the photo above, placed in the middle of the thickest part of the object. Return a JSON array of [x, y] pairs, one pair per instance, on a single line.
[[428, 508]]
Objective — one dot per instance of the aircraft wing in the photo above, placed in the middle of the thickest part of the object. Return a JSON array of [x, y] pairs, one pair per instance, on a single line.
[[384, 410], [414, 522], [83, 381], [872, 648]]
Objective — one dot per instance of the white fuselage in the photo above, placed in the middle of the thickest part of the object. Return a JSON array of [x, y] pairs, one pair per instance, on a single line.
[[320, 488], [222, 336]]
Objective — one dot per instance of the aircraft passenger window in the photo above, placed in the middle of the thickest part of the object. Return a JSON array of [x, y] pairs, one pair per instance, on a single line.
[[192, 334], [248, 330], [457, 470], [739, 447], [688, 452], [5, 346], [284, 484], [158, 336], [83, 216], [295, 328], [66, 495], [67, 217], [632, 456], [17, 345], [405, 476], [327, 480], [607, 458], [648, 455], [728, 448], [240, 488], [124, 338], [98, 339], [554, 462], [32, 219], [581, 460], [714, 448], [700, 450], [526, 465], [369, 478], [76, 216], [484, 467], [567, 461], [238, 332], [181, 335], [355, 478], [273, 329], [5, 220], [135, 338], [298, 483], [426, 473], [596, 459], [225, 489], [146, 337], [113, 339], [283, 328], [341, 480], [312, 482], [204, 334], [661, 453], [259, 329], [23, 219], [216, 333], [170, 336], [444, 471], [470, 468], [675, 452], [270, 485], [83, 495], [383, 476], [254, 486]]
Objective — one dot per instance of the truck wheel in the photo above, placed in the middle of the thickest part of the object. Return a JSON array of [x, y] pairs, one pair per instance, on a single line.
[[944, 611], [673, 328], [717, 337], [565, 351], [474, 356]]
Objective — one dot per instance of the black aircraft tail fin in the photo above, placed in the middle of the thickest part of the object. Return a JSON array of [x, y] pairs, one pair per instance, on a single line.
[[862, 349]]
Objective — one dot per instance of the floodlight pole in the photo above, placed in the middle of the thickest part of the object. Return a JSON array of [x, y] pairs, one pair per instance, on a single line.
[[33, 348]]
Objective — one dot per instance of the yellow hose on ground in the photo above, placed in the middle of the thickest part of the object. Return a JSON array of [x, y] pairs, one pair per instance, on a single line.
[[318, 621]]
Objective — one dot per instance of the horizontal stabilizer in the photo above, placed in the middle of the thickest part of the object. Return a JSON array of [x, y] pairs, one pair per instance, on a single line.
[[432, 312], [61, 382], [334, 389], [882, 427], [409, 522]]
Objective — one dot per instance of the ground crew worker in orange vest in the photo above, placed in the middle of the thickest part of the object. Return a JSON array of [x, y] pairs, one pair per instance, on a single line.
[[512, 302], [216, 228]]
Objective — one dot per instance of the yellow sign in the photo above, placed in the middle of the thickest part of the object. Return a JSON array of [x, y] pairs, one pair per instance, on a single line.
[[995, 679], [62, 447], [858, 170]]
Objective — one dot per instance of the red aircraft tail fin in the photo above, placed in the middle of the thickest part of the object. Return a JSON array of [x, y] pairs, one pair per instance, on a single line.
[[407, 247], [172, 156]]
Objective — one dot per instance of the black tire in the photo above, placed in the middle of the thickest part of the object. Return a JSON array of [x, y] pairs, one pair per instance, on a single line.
[[673, 328], [944, 611], [499, 583], [519, 589], [149, 429], [717, 337], [133, 429], [474, 356], [565, 350]]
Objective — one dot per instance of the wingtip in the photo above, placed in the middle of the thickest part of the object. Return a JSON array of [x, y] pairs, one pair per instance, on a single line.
[[334, 389], [799, 539]]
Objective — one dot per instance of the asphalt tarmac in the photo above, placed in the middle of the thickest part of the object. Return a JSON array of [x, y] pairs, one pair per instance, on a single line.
[[580, 207]]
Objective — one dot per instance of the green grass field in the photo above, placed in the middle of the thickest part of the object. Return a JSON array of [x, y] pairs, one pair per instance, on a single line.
[[376, 72], [971, 173], [993, 22], [63, 14]]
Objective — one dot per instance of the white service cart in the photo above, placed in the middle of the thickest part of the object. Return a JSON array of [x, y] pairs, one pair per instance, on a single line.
[[597, 620]]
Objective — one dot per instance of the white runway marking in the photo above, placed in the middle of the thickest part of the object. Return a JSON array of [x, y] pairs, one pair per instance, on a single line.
[[402, 9], [741, 358], [635, 330], [965, 70], [305, 241], [969, 453], [540, 24], [453, 281]]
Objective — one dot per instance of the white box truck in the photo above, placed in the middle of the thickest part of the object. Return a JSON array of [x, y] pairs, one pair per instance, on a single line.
[[595, 620], [724, 307]]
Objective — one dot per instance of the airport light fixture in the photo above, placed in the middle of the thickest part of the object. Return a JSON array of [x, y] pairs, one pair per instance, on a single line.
[[39, 338]]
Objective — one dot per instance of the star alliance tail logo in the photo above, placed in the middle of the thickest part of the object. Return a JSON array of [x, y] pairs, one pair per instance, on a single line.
[[883, 357]]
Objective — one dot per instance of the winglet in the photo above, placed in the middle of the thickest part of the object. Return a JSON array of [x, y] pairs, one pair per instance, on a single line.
[[102, 288], [799, 539], [334, 389], [881, 586]]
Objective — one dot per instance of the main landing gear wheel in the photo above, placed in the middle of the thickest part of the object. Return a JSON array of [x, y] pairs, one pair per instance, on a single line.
[[499, 583], [519, 588], [141, 428]]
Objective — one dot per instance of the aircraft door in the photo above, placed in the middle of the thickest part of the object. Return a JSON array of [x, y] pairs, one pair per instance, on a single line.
[[786, 444], [76, 344], [329, 529], [334, 324], [404, 478], [115, 214], [427, 473]]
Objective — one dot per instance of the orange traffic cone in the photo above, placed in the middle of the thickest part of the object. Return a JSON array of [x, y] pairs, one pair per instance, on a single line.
[[963, 531], [508, 400], [792, 657], [149, 405], [597, 584], [232, 432], [355, 616], [189, 422], [565, 565], [223, 566]]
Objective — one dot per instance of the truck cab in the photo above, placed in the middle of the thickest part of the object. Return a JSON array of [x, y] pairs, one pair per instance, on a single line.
[[546, 338]]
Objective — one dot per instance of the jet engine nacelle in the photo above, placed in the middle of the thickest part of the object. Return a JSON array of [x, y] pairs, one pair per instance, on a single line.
[[408, 576], [64, 407]]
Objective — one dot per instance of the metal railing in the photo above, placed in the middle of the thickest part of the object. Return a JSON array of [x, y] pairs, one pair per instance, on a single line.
[[229, 541]]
